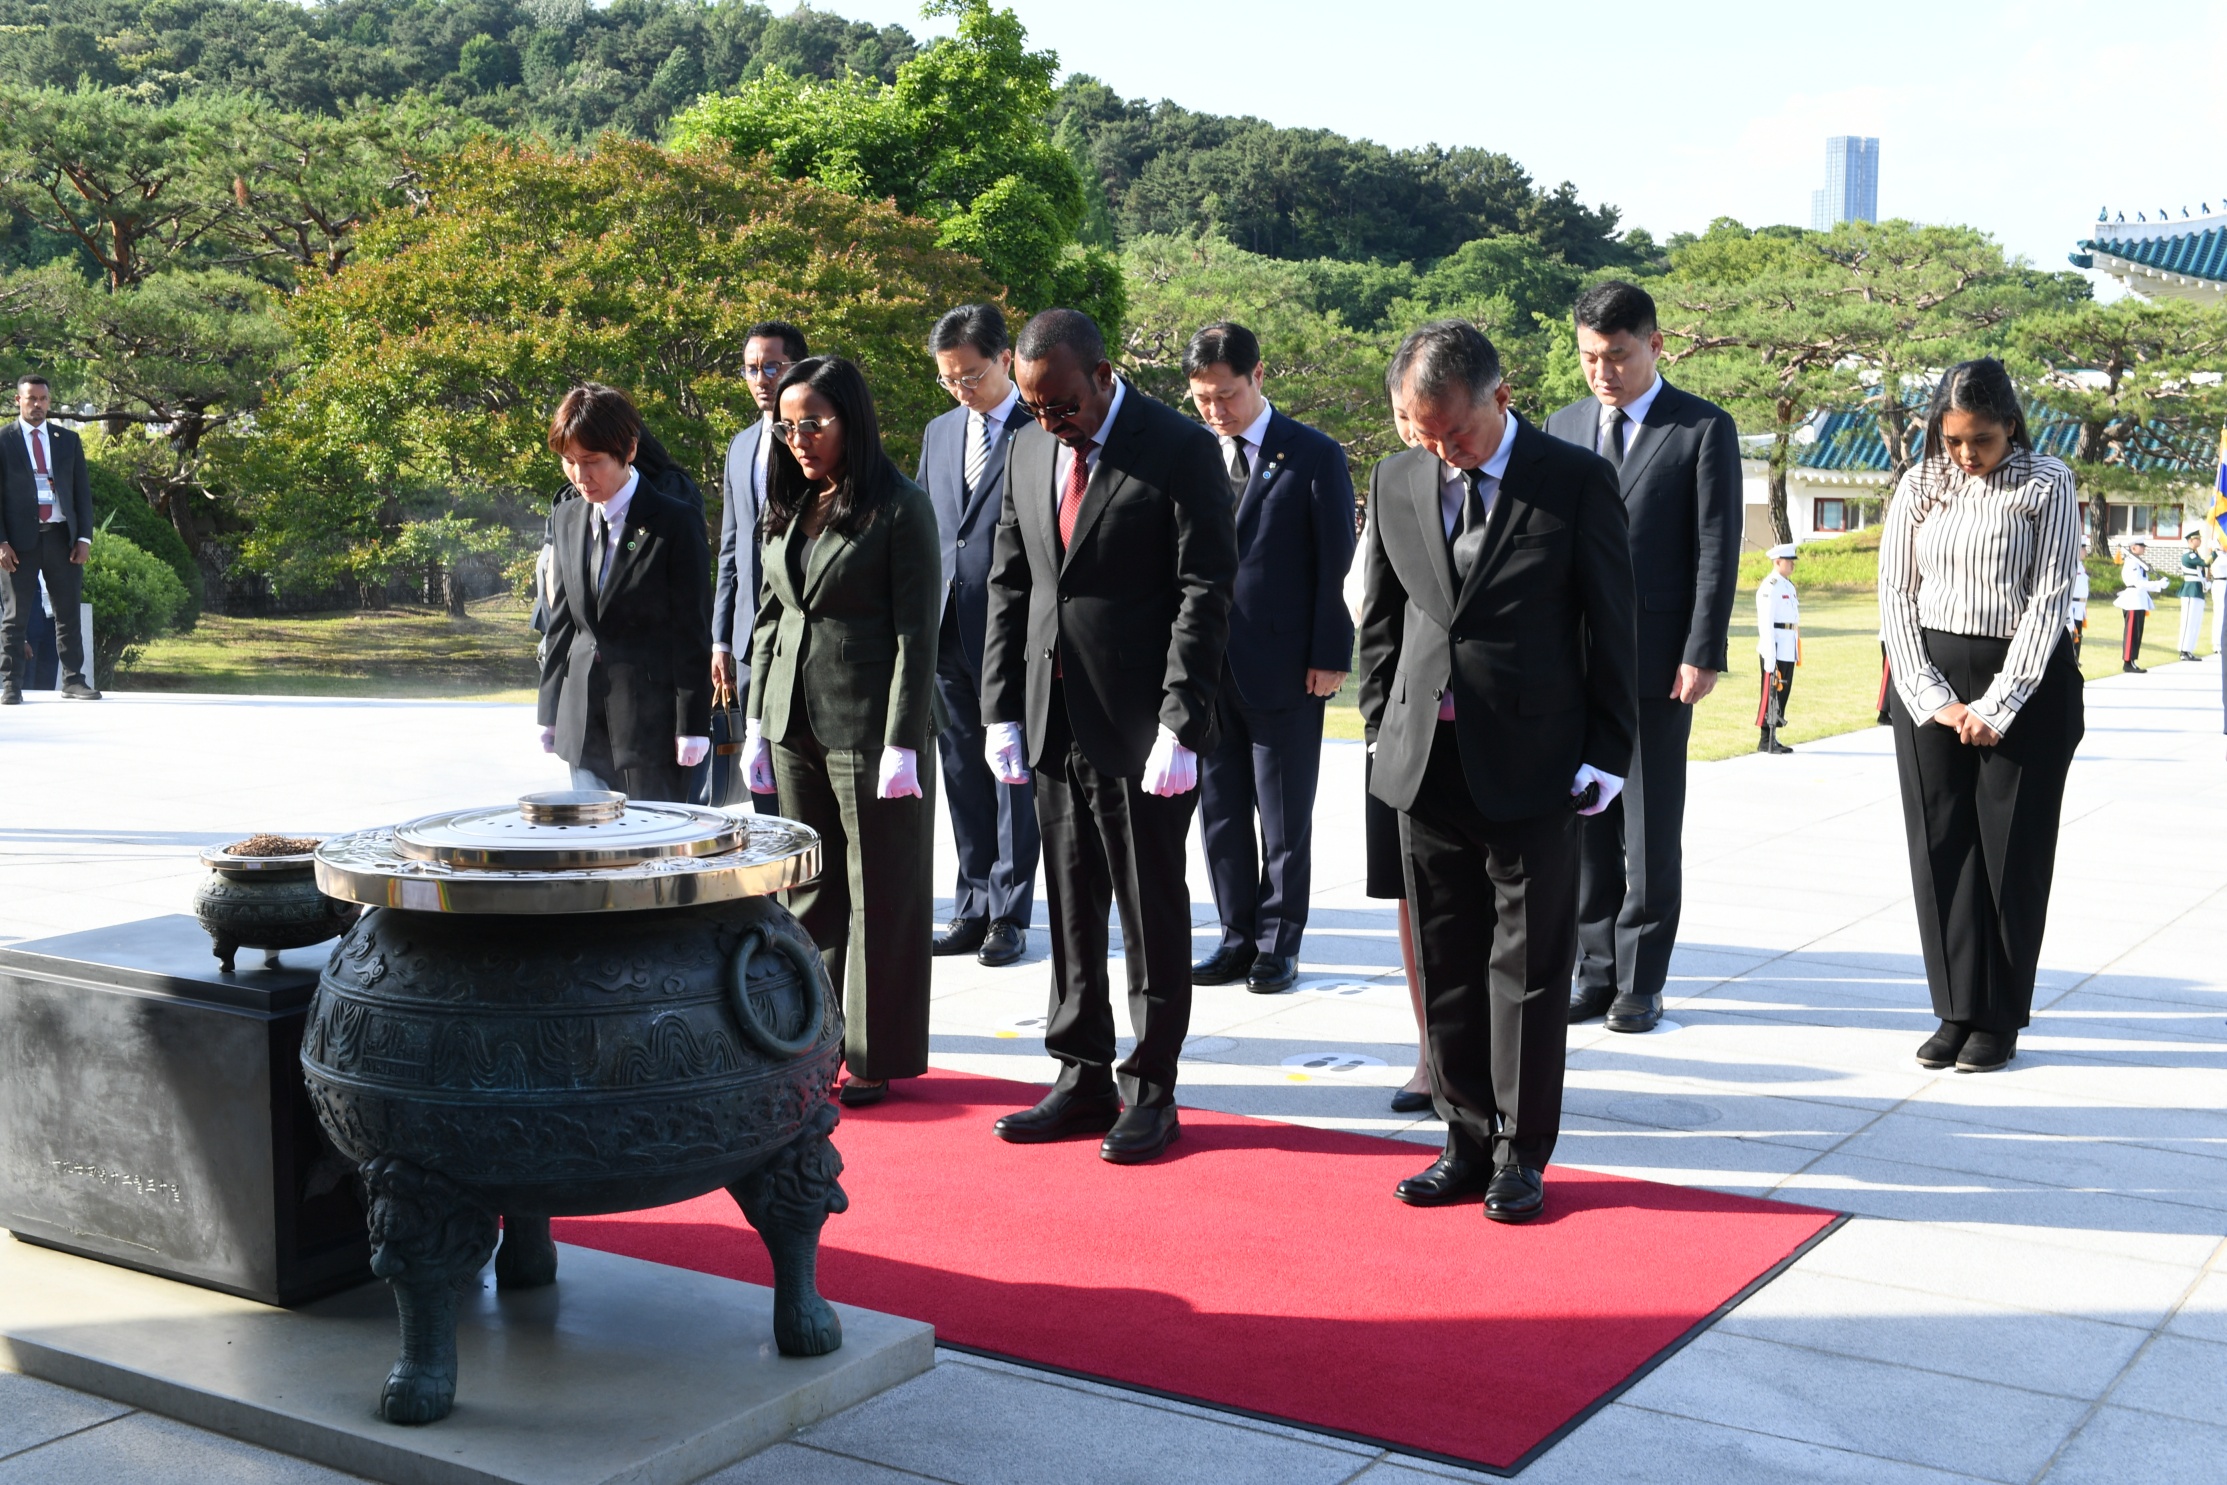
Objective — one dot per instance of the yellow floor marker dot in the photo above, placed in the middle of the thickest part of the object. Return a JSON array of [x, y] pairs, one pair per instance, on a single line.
[[1006, 1035], [1299, 1077]]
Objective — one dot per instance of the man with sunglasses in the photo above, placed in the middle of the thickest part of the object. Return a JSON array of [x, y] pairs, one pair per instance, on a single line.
[[768, 351], [1108, 615], [962, 467]]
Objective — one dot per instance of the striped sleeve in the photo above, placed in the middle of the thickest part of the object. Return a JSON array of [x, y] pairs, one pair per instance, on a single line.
[[1924, 690], [2041, 625]]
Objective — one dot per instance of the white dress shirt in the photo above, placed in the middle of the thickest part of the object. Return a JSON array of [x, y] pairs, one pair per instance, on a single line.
[[1251, 438], [613, 512], [997, 417], [1065, 459], [1453, 494], [37, 441]]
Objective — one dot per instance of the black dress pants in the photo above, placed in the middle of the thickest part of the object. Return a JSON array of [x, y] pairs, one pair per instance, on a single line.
[[47, 555], [1266, 764], [1982, 828], [1496, 985], [871, 909], [1631, 863], [1107, 842], [648, 782], [993, 825]]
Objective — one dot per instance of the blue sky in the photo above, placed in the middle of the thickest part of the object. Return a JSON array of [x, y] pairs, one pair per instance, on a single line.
[[2020, 119]]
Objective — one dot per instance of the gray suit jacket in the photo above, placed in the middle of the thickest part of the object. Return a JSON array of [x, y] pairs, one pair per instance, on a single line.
[[1681, 488], [966, 523], [734, 604], [19, 491]]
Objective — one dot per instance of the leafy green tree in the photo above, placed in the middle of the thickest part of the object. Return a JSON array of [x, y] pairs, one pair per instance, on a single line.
[[956, 139], [431, 362], [487, 64], [135, 598]]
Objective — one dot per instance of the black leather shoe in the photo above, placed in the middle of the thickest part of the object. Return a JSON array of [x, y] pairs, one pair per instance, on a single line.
[[1940, 1049], [1408, 1101], [1003, 944], [1588, 1001], [75, 689], [1635, 1012], [1448, 1179], [961, 936], [2130, 668], [1987, 1051], [11, 696], [1140, 1135], [1273, 974], [1515, 1195], [1061, 1116], [1225, 966], [1779, 747], [2188, 655], [858, 1093]]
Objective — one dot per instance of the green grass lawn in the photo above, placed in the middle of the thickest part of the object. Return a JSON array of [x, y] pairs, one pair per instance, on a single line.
[[398, 652]]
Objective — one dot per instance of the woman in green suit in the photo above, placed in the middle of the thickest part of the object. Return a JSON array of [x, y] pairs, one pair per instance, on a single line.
[[842, 670]]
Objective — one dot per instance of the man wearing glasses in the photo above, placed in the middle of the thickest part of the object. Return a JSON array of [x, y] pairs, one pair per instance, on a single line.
[[962, 467], [769, 350]]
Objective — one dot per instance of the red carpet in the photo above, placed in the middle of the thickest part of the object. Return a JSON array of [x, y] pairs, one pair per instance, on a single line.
[[1260, 1266]]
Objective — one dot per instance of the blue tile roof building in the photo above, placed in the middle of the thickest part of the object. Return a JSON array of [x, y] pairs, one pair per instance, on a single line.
[[1848, 444], [2181, 257]]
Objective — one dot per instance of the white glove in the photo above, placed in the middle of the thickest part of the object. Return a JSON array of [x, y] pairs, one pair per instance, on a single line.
[[690, 751], [548, 739], [900, 777], [1611, 786], [757, 758], [1007, 754], [1171, 768]]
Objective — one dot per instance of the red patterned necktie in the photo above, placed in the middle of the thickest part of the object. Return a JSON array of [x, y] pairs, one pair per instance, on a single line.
[[46, 485], [1071, 498]]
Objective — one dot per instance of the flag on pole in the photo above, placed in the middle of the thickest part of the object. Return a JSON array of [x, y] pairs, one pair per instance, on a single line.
[[2219, 490]]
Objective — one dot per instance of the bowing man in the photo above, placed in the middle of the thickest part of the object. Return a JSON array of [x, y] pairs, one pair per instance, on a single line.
[[1108, 614], [626, 663], [962, 467], [1290, 646], [1497, 662]]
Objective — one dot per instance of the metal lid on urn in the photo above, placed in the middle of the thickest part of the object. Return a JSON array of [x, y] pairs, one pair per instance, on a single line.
[[568, 851]]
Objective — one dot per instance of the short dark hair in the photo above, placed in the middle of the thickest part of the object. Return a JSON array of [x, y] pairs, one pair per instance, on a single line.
[[979, 325], [791, 338], [32, 379], [1614, 305], [1224, 344], [1437, 357], [599, 419], [1062, 327], [1982, 387], [867, 472]]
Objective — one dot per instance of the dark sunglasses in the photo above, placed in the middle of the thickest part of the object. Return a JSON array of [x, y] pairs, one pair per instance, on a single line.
[[1044, 414]]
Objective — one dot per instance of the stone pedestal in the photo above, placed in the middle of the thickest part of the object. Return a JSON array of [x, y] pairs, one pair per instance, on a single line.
[[621, 1371], [152, 1113]]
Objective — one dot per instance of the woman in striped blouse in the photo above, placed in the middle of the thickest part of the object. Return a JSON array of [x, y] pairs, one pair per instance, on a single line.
[[1975, 585]]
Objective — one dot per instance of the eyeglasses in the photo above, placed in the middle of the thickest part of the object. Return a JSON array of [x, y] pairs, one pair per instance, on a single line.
[[1044, 414], [769, 372], [789, 432], [965, 383]]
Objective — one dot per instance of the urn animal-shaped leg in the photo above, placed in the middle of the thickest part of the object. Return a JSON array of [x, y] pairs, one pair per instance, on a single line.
[[528, 1257], [429, 1240], [788, 1199]]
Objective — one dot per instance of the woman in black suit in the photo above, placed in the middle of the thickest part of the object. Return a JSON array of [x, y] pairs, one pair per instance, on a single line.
[[842, 669], [1976, 564]]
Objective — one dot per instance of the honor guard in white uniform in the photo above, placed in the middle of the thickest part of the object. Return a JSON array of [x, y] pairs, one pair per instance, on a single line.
[[2195, 575], [2136, 586], [1778, 645]]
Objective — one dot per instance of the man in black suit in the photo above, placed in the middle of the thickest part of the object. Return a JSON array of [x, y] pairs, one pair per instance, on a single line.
[[769, 349], [962, 467], [626, 670], [1108, 614], [1496, 681], [46, 530], [1678, 463], [1290, 646]]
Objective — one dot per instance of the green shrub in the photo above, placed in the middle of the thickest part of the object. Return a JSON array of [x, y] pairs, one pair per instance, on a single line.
[[135, 598], [115, 501], [1843, 562]]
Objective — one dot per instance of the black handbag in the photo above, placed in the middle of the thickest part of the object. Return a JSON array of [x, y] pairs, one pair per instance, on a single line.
[[729, 785]]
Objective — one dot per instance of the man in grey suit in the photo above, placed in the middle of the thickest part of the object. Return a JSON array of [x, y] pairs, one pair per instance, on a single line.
[[1678, 465], [768, 351], [962, 467], [46, 530]]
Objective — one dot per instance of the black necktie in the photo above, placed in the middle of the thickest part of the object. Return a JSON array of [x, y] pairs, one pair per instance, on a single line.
[[1613, 436], [601, 526], [1239, 471], [1469, 532]]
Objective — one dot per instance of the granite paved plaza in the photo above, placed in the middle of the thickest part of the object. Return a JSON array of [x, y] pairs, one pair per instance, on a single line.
[[2034, 1286]]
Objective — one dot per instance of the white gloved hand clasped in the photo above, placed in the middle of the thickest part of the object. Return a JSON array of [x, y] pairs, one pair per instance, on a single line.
[[690, 751], [1611, 786], [548, 739], [1171, 768], [900, 774], [757, 758], [1006, 752]]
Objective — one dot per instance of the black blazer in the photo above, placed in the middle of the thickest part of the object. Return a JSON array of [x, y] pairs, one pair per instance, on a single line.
[[1537, 647], [1138, 608], [1681, 485], [19, 489], [966, 523], [641, 648], [1294, 543]]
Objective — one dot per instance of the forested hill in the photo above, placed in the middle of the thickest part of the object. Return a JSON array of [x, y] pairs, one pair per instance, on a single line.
[[566, 69]]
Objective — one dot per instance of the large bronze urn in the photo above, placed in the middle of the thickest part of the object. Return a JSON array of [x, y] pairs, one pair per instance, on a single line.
[[575, 1005]]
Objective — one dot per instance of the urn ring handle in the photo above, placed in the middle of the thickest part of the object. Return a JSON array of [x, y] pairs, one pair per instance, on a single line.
[[810, 971]]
